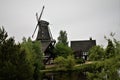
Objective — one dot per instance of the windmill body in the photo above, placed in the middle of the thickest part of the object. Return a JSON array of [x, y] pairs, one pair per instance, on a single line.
[[45, 37], [43, 32]]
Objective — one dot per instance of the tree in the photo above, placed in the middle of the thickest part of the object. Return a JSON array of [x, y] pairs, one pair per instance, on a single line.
[[60, 62], [34, 55], [65, 63], [96, 53], [39, 54], [110, 67], [62, 50], [117, 46], [105, 70], [110, 50], [27, 45], [34, 51], [63, 37], [70, 62], [3, 35], [13, 63]]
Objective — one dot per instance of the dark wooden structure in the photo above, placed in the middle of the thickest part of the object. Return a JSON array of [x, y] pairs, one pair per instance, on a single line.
[[82, 47], [47, 42], [44, 35]]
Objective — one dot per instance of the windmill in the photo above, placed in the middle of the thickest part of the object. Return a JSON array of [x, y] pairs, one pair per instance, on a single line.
[[44, 35]]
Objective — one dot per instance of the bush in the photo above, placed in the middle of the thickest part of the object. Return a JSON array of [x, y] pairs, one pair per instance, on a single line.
[[80, 61], [65, 63], [70, 62], [60, 62], [62, 50], [96, 53]]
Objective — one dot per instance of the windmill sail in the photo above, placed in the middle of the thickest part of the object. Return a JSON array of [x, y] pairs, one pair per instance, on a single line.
[[38, 19]]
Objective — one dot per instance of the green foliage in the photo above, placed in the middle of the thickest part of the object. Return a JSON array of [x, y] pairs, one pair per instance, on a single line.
[[63, 38], [117, 47], [96, 53], [27, 45], [110, 50], [103, 70], [111, 67], [107, 69], [3, 35], [60, 62], [34, 52], [19, 62], [80, 60], [39, 54], [62, 50], [34, 55], [70, 62], [65, 63], [13, 63]]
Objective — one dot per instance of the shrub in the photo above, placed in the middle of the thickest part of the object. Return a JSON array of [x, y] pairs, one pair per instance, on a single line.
[[62, 50], [60, 62], [70, 62], [65, 63], [80, 61], [96, 53]]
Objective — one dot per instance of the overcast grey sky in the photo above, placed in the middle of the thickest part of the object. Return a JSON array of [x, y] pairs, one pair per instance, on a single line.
[[80, 18]]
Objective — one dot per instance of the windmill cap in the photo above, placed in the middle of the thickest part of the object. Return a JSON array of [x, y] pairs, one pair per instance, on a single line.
[[44, 22]]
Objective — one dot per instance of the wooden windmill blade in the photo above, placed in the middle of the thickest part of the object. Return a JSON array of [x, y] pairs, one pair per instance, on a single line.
[[41, 13], [36, 25], [37, 16], [35, 30], [38, 19]]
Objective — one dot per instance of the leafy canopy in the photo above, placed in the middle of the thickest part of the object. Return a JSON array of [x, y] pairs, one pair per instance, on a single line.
[[62, 48], [96, 53], [63, 37], [13, 63]]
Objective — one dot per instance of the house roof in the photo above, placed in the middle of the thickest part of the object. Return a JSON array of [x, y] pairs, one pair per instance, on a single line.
[[83, 45]]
